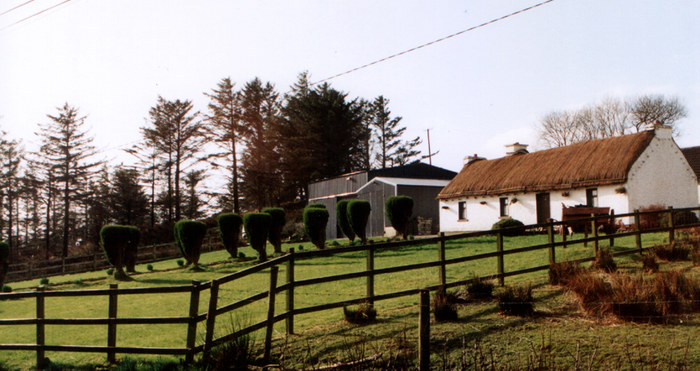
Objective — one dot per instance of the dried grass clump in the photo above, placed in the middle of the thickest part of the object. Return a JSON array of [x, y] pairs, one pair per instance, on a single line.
[[675, 251], [364, 313], [593, 292], [444, 306], [516, 301], [480, 290], [604, 261], [649, 263], [561, 273]]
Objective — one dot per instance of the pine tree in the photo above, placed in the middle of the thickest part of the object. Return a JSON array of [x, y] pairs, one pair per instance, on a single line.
[[390, 149], [225, 128], [67, 151], [11, 156]]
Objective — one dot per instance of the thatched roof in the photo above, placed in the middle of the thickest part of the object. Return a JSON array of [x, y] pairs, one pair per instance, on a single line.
[[590, 163]]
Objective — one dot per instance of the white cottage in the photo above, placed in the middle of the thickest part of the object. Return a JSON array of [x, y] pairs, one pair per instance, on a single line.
[[623, 173]]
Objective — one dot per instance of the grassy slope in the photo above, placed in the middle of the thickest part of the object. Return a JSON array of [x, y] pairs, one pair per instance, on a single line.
[[176, 304]]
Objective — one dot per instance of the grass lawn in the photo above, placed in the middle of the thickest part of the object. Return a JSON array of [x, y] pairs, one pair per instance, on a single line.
[[322, 332]]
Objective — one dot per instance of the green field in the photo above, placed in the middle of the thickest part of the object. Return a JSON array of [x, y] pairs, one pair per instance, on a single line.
[[318, 334]]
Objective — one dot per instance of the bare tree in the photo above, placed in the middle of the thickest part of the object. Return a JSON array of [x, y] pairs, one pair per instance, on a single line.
[[647, 109]]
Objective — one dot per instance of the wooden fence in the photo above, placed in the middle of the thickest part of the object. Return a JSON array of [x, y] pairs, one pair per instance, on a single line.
[[92, 262], [193, 318]]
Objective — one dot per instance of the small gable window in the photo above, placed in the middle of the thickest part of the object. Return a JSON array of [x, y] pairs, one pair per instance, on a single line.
[[503, 201], [462, 210], [592, 197]]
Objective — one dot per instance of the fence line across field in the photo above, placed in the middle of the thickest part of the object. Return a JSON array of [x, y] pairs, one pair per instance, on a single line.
[[194, 318]]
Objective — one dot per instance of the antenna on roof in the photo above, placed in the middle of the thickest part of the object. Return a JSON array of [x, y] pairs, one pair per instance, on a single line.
[[430, 155]]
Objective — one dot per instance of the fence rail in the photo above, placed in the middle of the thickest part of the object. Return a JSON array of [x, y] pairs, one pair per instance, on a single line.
[[194, 318]]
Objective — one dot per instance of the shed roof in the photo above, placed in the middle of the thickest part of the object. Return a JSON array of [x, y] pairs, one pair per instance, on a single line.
[[408, 182], [590, 163]]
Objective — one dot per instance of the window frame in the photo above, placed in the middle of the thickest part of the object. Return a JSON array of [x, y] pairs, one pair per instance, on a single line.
[[462, 211], [592, 197], [504, 207]]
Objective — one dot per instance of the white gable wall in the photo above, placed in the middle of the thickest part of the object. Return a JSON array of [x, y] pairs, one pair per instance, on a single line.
[[662, 176]]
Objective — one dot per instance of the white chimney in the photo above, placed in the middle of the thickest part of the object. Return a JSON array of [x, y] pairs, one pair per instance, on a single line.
[[470, 159], [516, 149], [660, 130]]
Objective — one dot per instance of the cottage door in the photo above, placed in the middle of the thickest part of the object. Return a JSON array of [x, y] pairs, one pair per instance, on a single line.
[[543, 212]]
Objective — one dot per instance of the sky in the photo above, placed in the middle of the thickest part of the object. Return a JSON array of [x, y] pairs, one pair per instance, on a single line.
[[475, 92]]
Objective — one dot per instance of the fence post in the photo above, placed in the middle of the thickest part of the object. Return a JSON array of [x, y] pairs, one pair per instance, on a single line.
[[270, 314], [211, 317], [155, 256], [424, 331], [63, 264], [550, 240], [594, 232], [94, 260], [112, 326], [564, 230], [441, 256], [612, 228], [40, 334], [192, 326], [290, 293], [638, 231], [370, 276], [671, 226], [499, 249]]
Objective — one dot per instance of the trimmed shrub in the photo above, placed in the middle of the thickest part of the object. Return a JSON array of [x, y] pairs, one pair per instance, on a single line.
[[315, 221], [279, 219], [341, 210], [114, 240], [364, 313], [604, 261], [444, 308], [44, 281], [399, 210], [516, 301], [6, 289], [110, 271], [315, 206], [189, 235], [257, 226], [561, 273], [480, 289], [131, 251], [358, 215], [149, 267], [230, 231], [4, 255], [510, 226], [180, 263]]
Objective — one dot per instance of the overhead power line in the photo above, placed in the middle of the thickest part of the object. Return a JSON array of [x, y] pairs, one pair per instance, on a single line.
[[434, 42], [17, 7], [34, 15]]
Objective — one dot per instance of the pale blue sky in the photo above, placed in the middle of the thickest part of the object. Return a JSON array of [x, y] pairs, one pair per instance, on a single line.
[[476, 92]]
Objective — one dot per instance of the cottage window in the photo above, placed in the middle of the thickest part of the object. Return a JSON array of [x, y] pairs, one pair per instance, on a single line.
[[462, 208], [504, 206], [592, 197]]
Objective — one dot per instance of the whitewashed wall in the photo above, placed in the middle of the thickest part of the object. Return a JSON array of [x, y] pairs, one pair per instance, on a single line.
[[482, 216]]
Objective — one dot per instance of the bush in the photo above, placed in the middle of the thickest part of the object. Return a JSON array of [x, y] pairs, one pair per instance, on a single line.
[[399, 210], [341, 210], [680, 218], [604, 261], [131, 251], [4, 255], [189, 235], [257, 226], [561, 273], [277, 224], [444, 308], [510, 226], [230, 231], [315, 206], [180, 263], [358, 215], [364, 313], [516, 301], [149, 267], [44, 281], [315, 221], [110, 271], [652, 220], [114, 240], [479, 289], [241, 255], [6, 289], [674, 251]]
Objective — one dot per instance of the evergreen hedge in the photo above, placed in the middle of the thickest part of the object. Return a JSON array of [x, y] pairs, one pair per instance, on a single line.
[[131, 252], [399, 210], [257, 226], [4, 257], [316, 205], [279, 219], [514, 227], [341, 210], [230, 231], [315, 222], [114, 240], [358, 215], [189, 235]]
